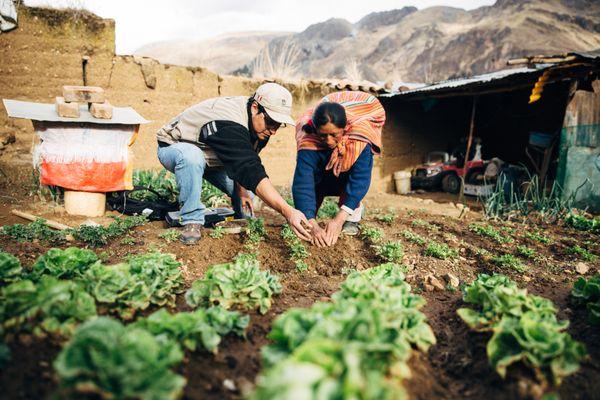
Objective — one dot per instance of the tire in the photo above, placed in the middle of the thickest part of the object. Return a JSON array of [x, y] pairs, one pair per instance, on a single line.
[[471, 176], [451, 183]]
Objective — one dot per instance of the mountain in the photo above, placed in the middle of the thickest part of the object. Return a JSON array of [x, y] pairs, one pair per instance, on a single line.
[[222, 54], [425, 45]]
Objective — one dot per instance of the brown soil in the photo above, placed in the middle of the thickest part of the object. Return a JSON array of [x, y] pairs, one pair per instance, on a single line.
[[455, 368]]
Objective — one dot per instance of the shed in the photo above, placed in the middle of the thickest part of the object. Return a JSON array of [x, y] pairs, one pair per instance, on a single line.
[[436, 117]]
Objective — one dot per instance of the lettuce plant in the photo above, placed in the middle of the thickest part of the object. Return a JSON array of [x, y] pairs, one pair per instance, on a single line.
[[390, 251], [240, 283], [356, 346], [525, 329], [161, 273], [587, 292], [66, 264], [118, 288], [200, 328], [538, 341], [10, 268], [330, 369], [48, 306], [114, 361]]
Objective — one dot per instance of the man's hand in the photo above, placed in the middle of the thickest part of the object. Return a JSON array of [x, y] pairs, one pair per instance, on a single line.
[[319, 236], [246, 200], [297, 222]]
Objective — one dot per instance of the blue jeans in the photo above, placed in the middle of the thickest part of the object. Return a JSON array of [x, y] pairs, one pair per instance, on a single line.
[[188, 164]]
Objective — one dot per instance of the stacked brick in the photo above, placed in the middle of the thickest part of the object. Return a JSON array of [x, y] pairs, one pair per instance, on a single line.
[[68, 105]]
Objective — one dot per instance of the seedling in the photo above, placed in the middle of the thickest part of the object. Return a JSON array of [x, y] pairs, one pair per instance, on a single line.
[[387, 218], [526, 252], [440, 250], [581, 253], [509, 261], [413, 237], [298, 252], [537, 237], [217, 233], [488, 231], [170, 235], [424, 224], [390, 251], [329, 209], [371, 234]]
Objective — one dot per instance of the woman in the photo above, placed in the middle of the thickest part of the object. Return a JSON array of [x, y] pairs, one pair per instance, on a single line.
[[336, 142]]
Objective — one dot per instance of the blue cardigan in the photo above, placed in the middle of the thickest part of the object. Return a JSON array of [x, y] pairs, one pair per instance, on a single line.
[[310, 173]]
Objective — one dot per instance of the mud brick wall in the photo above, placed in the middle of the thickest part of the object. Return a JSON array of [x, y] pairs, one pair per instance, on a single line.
[[45, 52]]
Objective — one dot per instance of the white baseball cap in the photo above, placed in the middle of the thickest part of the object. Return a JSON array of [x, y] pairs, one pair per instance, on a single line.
[[277, 101]]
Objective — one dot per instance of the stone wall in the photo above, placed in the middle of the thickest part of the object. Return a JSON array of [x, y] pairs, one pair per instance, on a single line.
[[45, 52]]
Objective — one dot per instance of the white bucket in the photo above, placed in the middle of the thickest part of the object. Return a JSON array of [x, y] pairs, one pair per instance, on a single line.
[[88, 204], [402, 179]]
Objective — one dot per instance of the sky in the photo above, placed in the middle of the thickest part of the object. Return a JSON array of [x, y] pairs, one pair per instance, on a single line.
[[139, 22]]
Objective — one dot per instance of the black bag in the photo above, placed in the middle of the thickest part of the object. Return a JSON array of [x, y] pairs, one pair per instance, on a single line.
[[155, 210]]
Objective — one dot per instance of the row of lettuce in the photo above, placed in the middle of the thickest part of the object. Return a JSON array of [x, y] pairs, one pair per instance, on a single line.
[[63, 292], [355, 346]]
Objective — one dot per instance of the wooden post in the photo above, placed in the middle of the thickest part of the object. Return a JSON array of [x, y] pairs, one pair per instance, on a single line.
[[469, 141]]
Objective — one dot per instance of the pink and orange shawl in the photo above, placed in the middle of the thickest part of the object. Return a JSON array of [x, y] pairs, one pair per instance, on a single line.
[[365, 117]]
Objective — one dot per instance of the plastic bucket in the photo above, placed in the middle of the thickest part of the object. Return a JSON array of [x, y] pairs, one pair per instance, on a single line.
[[402, 180], [88, 204]]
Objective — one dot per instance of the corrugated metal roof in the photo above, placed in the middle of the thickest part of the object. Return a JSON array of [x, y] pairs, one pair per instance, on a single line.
[[471, 81]]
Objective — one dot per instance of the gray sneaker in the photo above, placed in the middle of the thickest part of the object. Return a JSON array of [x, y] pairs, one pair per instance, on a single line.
[[350, 228], [191, 233]]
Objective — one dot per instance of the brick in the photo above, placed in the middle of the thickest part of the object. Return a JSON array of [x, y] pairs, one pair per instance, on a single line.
[[101, 110], [67, 110], [84, 94]]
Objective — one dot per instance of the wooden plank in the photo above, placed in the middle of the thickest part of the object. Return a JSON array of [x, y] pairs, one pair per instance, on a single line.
[[49, 222], [84, 94]]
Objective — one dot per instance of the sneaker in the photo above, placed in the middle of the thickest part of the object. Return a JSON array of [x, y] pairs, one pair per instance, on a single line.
[[191, 233], [350, 228]]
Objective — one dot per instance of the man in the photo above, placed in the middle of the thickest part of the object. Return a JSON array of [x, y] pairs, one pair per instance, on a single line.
[[219, 140]]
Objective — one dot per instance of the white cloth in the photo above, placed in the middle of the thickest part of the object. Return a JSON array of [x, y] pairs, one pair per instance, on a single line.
[[355, 215]]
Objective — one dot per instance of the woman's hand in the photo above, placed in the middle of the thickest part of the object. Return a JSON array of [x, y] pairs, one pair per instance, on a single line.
[[334, 227], [319, 235]]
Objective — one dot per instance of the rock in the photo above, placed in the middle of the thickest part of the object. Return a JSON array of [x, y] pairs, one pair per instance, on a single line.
[[452, 280], [229, 385], [428, 201], [582, 268], [428, 287], [435, 282], [526, 278]]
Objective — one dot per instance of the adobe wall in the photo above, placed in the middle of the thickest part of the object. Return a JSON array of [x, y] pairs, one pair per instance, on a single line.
[[45, 52]]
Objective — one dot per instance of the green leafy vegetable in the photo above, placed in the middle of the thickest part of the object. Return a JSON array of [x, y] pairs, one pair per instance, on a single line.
[[113, 361], [440, 250], [587, 292], [49, 306], [525, 329], [390, 251], [37, 230], [356, 346], [328, 209], [10, 268], [203, 327], [239, 283], [67, 264], [371, 234]]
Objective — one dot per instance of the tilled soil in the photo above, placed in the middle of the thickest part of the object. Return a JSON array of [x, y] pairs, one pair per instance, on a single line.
[[455, 368]]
